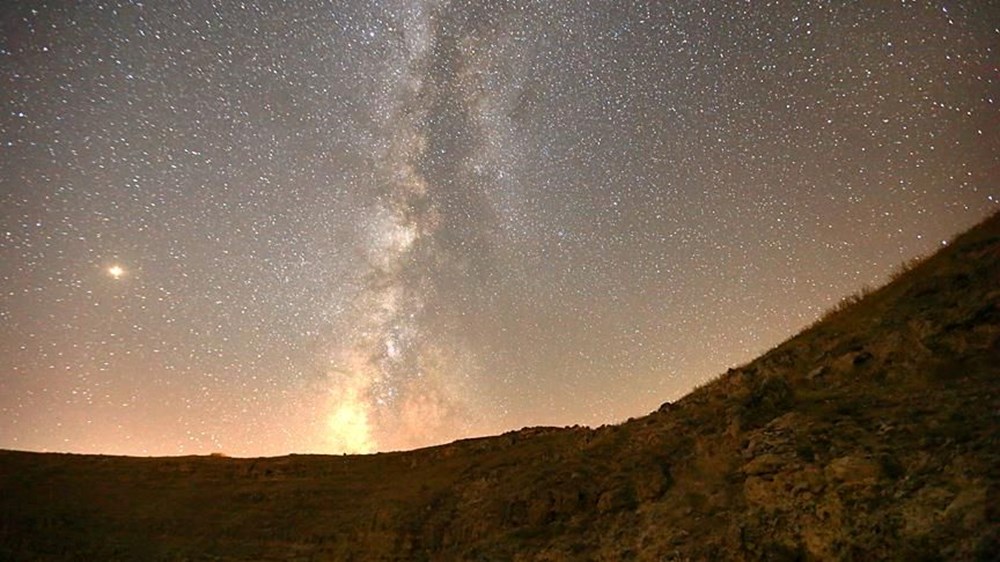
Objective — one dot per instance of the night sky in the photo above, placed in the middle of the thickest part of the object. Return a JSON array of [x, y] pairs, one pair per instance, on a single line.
[[362, 226]]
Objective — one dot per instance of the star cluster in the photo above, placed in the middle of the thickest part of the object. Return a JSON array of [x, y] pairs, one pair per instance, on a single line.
[[263, 228]]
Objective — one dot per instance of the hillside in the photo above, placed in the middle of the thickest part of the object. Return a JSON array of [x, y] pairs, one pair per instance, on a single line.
[[871, 435]]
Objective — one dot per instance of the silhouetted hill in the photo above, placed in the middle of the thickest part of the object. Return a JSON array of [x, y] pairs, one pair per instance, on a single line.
[[871, 435]]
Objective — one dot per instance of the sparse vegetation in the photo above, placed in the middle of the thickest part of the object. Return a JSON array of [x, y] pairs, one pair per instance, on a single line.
[[846, 303], [906, 267]]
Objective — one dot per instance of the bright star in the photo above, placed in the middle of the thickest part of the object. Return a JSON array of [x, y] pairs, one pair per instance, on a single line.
[[116, 271]]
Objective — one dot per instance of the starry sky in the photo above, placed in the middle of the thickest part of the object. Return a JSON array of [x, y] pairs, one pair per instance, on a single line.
[[356, 226]]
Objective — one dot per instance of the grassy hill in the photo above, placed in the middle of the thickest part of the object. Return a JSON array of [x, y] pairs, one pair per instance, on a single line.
[[871, 435]]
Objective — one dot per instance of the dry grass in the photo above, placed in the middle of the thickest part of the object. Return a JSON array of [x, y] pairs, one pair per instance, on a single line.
[[845, 304], [905, 267]]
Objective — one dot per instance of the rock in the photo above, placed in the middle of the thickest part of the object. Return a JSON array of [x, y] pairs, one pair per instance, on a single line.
[[853, 470], [778, 436], [789, 489], [923, 511], [767, 463], [652, 483], [762, 491], [968, 507], [817, 373], [615, 499], [862, 358]]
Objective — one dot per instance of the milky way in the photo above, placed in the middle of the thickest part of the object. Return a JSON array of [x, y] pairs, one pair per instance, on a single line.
[[362, 226]]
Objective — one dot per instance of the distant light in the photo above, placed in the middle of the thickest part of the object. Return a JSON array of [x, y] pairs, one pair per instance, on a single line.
[[116, 271]]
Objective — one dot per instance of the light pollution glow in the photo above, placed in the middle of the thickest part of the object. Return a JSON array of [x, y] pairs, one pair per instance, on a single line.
[[378, 225]]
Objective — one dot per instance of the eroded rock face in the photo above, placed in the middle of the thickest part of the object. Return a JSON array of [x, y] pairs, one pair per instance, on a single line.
[[871, 436]]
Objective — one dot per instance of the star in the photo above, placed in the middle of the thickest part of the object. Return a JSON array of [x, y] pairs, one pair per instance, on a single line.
[[373, 225]]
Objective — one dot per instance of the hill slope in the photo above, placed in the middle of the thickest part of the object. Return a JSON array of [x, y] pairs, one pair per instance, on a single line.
[[871, 435]]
